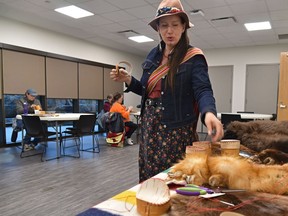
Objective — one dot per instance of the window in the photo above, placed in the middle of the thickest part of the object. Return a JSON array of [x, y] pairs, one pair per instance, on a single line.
[[88, 106], [10, 107], [60, 105]]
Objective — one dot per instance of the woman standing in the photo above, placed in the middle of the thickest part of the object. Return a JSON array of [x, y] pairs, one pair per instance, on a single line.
[[175, 87]]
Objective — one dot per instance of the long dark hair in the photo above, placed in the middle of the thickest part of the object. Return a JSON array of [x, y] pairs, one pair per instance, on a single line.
[[176, 57], [116, 96]]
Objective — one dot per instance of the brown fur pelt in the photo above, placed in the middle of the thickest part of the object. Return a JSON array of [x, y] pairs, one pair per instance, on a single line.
[[269, 139], [260, 135], [233, 173], [270, 157], [261, 204]]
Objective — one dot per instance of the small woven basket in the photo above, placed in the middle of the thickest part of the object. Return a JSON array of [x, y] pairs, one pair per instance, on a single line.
[[153, 198]]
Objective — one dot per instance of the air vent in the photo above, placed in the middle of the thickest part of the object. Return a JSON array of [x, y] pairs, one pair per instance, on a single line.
[[223, 21], [128, 33], [283, 36], [197, 12]]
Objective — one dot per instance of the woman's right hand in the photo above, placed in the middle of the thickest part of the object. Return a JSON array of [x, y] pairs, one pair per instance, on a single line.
[[122, 76]]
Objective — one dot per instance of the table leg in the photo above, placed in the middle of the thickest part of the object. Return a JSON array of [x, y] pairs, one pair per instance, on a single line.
[[57, 140], [57, 143]]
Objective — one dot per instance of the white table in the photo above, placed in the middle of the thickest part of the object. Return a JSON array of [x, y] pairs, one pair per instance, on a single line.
[[56, 118], [136, 115], [254, 116]]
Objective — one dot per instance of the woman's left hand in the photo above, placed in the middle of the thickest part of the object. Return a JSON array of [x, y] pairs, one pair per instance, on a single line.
[[214, 127]]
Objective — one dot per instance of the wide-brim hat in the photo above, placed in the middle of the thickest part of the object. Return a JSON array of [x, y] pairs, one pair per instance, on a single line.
[[168, 8]]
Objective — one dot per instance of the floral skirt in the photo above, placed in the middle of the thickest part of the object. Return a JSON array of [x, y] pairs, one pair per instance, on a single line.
[[160, 148]]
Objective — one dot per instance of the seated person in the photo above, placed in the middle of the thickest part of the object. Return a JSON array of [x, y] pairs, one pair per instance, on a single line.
[[117, 106], [30, 103], [108, 103]]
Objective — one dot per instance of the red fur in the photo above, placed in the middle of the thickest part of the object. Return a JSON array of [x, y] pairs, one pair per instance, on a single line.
[[234, 173]]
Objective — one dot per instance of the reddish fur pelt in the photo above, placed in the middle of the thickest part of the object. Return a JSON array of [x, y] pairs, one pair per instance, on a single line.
[[268, 138], [232, 172]]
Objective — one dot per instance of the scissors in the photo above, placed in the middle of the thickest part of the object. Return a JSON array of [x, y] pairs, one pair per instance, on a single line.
[[193, 190]]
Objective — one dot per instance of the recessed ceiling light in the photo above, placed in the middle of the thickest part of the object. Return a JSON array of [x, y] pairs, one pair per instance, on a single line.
[[140, 39], [258, 26], [74, 11]]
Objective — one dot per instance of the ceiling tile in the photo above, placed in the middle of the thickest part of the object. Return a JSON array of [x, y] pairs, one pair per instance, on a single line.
[[152, 1], [279, 15], [277, 4], [142, 12], [232, 2], [118, 16], [218, 12], [96, 20], [98, 7], [196, 4], [112, 28], [255, 17], [280, 24], [126, 4], [281, 31], [251, 8], [135, 24], [51, 5]]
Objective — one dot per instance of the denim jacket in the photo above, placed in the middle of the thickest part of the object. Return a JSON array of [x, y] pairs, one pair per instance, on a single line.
[[192, 87]]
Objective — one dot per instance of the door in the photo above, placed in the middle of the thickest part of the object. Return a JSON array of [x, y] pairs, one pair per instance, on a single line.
[[221, 78], [261, 88], [282, 110]]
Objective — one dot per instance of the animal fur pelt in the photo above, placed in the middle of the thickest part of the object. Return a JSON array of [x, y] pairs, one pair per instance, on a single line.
[[232, 172], [269, 139], [270, 156], [256, 204]]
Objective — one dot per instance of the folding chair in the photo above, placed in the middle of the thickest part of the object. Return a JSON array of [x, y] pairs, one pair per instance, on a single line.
[[35, 129], [84, 127]]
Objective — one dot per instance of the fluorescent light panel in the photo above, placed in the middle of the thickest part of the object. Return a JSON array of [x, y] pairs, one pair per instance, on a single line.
[[140, 39], [258, 26], [74, 11]]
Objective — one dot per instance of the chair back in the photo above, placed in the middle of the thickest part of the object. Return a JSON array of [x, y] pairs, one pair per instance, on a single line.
[[227, 118], [33, 126], [115, 122], [86, 124]]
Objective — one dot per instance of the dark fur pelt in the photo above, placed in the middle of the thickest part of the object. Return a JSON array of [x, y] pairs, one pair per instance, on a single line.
[[263, 204], [262, 135], [271, 156]]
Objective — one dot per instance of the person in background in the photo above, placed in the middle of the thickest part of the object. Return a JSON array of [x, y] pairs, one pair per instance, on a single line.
[[117, 106], [175, 89], [108, 103], [30, 103]]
